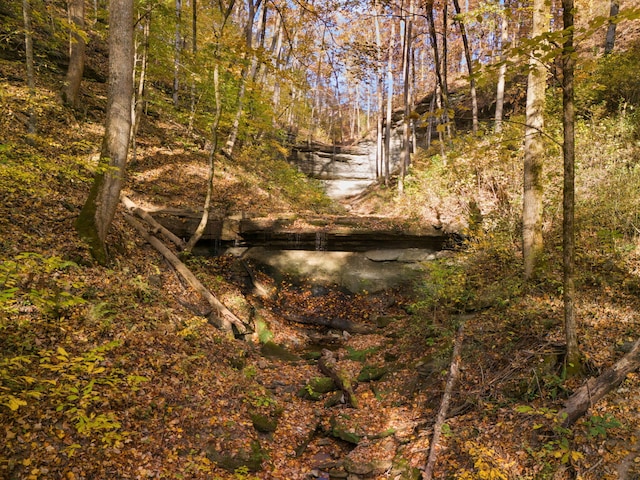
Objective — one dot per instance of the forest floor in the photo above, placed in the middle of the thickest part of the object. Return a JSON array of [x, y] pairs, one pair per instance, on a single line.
[[117, 373]]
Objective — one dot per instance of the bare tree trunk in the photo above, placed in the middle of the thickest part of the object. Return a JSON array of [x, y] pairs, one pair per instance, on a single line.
[[31, 77], [573, 359], [406, 133], [387, 139], [138, 103], [71, 90], [611, 31], [98, 211], [247, 73], [472, 80], [194, 54], [177, 52], [504, 38], [379, 94], [534, 147], [197, 235]]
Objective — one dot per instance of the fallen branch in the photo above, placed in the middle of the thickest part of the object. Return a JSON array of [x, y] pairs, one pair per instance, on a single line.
[[329, 366], [454, 370], [596, 388], [152, 222], [224, 318]]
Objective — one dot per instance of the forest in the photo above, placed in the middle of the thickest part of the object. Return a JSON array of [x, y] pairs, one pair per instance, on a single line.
[[183, 297]]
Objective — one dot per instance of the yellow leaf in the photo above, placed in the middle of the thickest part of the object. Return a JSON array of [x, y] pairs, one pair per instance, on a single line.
[[15, 403], [576, 456]]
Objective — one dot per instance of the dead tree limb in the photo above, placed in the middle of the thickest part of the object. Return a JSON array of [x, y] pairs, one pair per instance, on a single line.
[[223, 318], [140, 212], [454, 370], [329, 366], [596, 388]]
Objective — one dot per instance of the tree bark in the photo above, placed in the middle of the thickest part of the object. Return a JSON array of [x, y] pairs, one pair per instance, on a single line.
[[596, 388], [454, 370], [573, 358], [387, 137], [467, 56], [225, 319], [177, 52], [379, 93], [504, 38], [98, 211], [534, 147], [138, 102], [71, 90], [610, 40], [406, 132], [31, 77]]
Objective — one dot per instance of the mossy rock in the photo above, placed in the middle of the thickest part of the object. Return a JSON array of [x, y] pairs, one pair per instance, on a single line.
[[264, 423], [371, 373], [251, 459], [343, 433], [316, 387], [403, 471], [273, 350], [385, 320]]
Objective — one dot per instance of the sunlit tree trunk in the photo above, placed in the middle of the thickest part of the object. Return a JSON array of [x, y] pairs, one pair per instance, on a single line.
[[467, 56], [71, 90], [194, 60], [502, 72], [611, 31], [31, 76], [98, 211], [406, 132], [573, 360], [138, 103], [379, 93], [534, 147], [247, 74], [177, 53], [387, 138]]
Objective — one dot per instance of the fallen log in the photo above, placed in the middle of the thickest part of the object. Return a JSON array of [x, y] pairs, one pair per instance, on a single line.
[[329, 366], [141, 213], [223, 318], [596, 388], [454, 370]]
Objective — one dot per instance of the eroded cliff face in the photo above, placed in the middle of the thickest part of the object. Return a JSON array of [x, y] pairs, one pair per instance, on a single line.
[[344, 170]]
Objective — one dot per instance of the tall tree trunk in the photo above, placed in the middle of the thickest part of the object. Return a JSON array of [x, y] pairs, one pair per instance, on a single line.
[[138, 103], [406, 132], [504, 38], [573, 359], [71, 90], [248, 72], [611, 31], [387, 137], [440, 87], [534, 147], [98, 211], [177, 52], [379, 93], [467, 56], [194, 60], [204, 220], [31, 76]]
